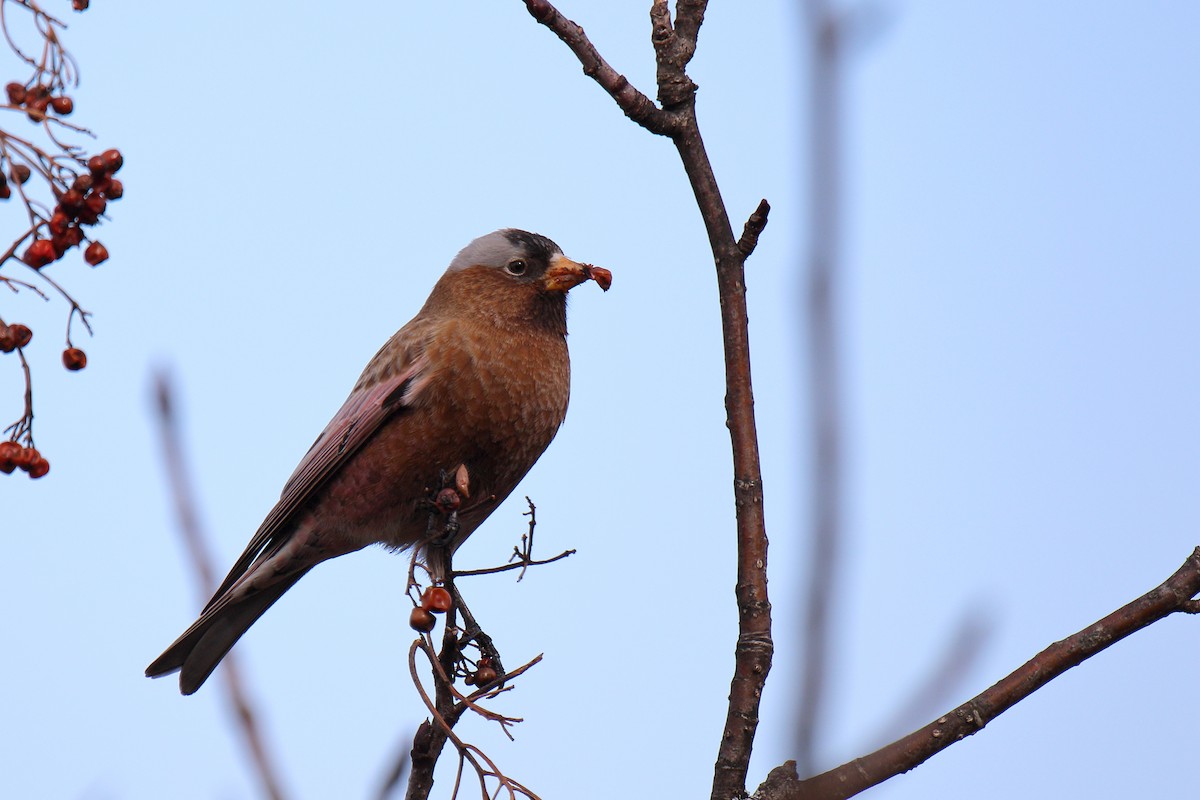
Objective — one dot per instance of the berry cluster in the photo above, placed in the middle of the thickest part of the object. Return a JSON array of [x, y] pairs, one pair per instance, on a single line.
[[81, 204], [18, 335], [435, 600], [38, 100], [14, 456]]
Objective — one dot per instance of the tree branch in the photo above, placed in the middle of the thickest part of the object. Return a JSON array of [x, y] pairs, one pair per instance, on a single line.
[[1175, 595], [674, 47], [637, 106]]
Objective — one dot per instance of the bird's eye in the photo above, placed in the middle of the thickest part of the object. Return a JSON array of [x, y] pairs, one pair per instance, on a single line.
[[516, 267]]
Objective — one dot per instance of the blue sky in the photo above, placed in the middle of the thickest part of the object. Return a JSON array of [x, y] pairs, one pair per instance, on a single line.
[[1018, 313]]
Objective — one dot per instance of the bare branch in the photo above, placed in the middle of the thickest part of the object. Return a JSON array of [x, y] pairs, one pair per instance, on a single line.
[[1177, 594], [674, 47], [637, 106]]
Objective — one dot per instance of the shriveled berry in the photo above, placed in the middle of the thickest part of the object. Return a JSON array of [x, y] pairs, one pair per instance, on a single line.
[[95, 165], [20, 173], [62, 105], [8, 456], [5, 191], [73, 236], [36, 109], [83, 183], [59, 222], [95, 253], [21, 335], [38, 468], [39, 91], [112, 160], [16, 93], [74, 359], [469, 679], [95, 205], [421, 620], [437, 600], [26, 457], [485, 676], [39, 254], [115, 190], [447, 500], [71, 200], [80, 5], [7, 342]]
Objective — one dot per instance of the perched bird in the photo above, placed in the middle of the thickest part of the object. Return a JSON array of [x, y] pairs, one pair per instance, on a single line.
[[479, 379]]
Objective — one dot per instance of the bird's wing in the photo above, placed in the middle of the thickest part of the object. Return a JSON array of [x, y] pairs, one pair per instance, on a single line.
[[365, 410]]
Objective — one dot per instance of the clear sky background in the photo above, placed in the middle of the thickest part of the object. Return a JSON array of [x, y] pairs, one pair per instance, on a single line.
[[1019, 318]]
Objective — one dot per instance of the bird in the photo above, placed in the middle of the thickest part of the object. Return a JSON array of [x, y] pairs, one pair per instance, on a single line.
[[475, 385]]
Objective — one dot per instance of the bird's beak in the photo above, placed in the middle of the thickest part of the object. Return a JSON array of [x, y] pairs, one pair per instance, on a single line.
[[563, 274]]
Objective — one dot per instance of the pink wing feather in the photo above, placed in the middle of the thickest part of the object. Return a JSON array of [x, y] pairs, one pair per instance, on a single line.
[[364, 411]]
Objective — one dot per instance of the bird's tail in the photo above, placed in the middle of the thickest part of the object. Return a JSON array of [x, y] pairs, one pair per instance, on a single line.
[[197, 652]]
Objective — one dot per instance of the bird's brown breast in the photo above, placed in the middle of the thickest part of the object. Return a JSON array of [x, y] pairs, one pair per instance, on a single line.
[[491, 397]]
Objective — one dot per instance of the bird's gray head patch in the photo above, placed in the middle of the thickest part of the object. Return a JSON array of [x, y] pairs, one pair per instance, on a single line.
[[499, 247]]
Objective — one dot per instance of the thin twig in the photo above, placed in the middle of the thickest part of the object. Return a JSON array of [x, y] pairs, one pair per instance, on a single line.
[[201, 560], [637, 106]]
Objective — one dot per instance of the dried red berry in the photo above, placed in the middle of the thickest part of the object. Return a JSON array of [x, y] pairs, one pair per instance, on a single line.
[[95, 253], [26, 457], [484, 676], [20, 173], [39, 91], [80, 5], [95, 165], [447, 500], [39, 468], [59, 222], [437, 600], [7, 343], [74, 359], [21, 335], [71, 199], [16, 93], [83, 183], [421, 620], [39, 254], [8, 456], [62, 105], [112, 160], [35, 109], [73, 236], [115, 190], [95, 205], [5, 192]]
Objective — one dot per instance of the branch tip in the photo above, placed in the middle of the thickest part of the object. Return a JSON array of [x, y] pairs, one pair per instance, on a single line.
[[754, 228]]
